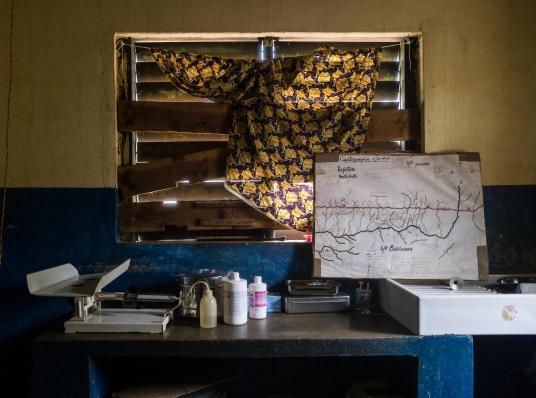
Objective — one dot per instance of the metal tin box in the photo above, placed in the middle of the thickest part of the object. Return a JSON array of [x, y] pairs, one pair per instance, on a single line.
[[312, 287], [307, 304]]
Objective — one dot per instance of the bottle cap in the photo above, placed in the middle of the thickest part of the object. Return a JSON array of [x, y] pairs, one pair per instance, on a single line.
[[257, 279], [235, 276], [207, 292]]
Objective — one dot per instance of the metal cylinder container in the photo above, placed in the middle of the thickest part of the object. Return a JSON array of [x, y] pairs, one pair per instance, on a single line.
[[189, 307]]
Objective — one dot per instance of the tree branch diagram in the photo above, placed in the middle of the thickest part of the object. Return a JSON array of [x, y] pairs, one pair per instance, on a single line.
[[398, 216]]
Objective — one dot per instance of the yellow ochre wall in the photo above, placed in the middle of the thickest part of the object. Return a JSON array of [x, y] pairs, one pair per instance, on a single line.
[[479, 74]]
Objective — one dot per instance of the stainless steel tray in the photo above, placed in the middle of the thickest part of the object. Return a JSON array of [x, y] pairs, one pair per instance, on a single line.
[[302, 305], [312, 287]]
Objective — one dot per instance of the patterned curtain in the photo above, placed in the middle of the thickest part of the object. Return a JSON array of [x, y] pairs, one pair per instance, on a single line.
[[284, 111]]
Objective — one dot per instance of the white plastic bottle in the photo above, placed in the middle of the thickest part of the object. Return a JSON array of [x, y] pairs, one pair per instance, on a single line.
[[257, 299], [208, 310], [235, 300]]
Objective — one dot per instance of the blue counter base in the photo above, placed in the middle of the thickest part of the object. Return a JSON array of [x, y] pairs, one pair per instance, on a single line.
[[444, 367], [444, 363]]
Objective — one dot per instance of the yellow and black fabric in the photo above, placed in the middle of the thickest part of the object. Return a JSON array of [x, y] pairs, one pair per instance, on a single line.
[[284, 111]]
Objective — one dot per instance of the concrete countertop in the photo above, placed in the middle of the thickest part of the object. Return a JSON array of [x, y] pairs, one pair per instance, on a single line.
[[280, 335], [444, 363], [276, 327]]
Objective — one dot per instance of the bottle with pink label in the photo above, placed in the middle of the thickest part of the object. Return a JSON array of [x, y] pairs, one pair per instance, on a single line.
[[257, 299]]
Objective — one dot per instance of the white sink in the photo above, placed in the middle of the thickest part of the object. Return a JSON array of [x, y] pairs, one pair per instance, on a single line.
[[432, 309]]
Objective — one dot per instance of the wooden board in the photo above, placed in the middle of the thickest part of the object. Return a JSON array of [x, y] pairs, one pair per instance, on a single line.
[[162, 174], [221, 235], [393, 125], [150, 151], [155, 216], [171, 136], [169, 116], [202, 191], [385, 124], [380, 147]]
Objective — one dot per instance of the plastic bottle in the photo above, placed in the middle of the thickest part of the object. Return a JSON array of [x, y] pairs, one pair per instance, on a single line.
[[257, 299], [235, 300], [208, 310]]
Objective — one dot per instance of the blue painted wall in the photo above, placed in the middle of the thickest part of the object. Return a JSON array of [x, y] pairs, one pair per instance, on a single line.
[[510, 228], [48, 227]]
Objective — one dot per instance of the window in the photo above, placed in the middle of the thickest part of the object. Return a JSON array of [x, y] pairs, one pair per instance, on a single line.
[[172, 146]]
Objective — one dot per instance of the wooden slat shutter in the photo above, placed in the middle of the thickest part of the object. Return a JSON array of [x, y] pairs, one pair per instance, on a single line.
[[173, 188]]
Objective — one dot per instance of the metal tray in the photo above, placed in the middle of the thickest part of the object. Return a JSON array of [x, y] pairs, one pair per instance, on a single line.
[[312, 287], [303, 305]]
